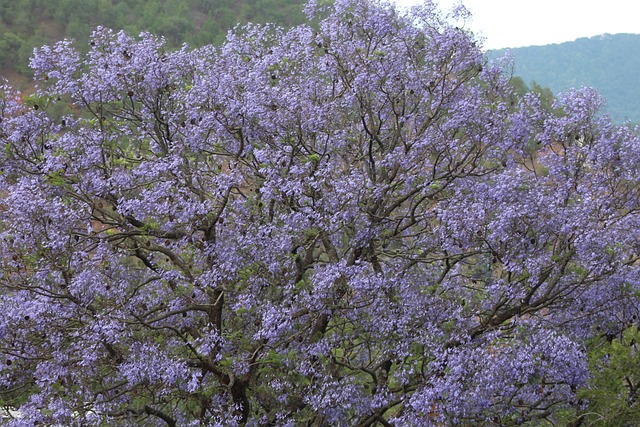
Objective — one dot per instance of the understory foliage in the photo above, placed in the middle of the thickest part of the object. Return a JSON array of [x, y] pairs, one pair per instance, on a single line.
[[355, 224], [612, 396]]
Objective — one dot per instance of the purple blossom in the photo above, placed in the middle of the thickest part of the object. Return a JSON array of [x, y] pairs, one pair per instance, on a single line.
[[345, 224]]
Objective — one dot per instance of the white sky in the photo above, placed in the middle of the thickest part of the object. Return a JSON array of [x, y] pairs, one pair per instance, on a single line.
[[516, 23]]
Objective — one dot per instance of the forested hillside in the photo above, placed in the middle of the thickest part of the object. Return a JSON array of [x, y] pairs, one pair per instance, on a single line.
[[25, 24], [609, 63]]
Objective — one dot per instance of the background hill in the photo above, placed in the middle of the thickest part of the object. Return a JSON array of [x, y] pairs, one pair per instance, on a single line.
[[610, 63], [25, 24]]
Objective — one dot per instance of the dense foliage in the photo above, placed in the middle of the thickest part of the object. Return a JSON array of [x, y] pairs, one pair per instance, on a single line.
[[354, 224], [612, 397], [608, 63], [26, 24]]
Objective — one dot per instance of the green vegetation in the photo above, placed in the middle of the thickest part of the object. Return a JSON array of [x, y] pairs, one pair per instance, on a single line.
[[612, 398], [521, 88], [25, 24], [609, 63], [613, 394]]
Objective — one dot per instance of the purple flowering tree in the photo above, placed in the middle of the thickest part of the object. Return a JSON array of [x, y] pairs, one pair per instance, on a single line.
[[352, 224]]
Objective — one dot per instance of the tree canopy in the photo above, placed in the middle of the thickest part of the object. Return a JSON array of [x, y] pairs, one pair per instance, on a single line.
[[351, 223]]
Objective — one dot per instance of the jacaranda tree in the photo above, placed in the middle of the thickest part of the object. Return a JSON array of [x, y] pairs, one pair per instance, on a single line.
[[354, 223]]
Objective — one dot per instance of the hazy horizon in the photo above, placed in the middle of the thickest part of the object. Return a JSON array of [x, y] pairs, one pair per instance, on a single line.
[[511, 24]]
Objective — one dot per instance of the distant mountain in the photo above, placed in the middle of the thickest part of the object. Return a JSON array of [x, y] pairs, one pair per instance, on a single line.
[[609, 63]]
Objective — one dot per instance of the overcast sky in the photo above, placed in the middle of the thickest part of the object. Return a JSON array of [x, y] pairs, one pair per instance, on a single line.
[[516, 23]]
